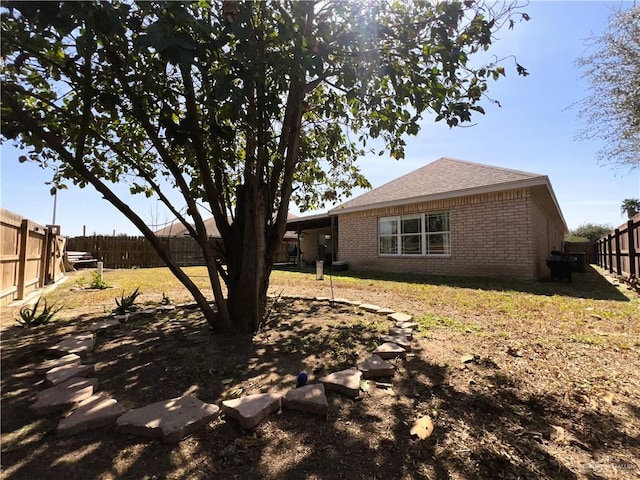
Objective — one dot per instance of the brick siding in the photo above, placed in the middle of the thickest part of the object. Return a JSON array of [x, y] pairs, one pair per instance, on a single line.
[[501, 234]]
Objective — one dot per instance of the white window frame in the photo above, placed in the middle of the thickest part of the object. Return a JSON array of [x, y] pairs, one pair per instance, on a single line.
[[424, 235]]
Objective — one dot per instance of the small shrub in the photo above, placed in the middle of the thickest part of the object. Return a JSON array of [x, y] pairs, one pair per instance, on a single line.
[[126, 303], [97, 282], [30, 317]]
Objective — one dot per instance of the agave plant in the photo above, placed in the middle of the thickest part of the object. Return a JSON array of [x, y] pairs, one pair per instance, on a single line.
[[30, 317], [126, 303]]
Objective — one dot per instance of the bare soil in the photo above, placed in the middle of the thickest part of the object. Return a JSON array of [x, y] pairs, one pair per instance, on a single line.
[[538, 401]]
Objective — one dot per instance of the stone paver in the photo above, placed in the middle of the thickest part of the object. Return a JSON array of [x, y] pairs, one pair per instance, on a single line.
[[354, 303], [44, 367], [63, 373], [80, 344], [400, 317], [386, 311], [401, 340], [96, 411], [170, 419], [343, 301], [374, 366], [249, 411], [123, 318], [389, 350], [369, 307], [165, 308], [407, 332], [310, 398], [103, 325], [407, 324], [346, 382], [64, 396]]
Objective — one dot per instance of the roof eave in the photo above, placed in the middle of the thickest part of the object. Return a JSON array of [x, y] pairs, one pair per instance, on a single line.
[[529, 182]]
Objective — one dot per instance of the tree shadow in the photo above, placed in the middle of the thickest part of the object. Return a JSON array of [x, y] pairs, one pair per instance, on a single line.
[[492, 427]]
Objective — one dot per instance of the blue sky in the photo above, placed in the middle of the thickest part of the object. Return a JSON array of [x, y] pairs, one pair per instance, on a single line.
[[534, 131]]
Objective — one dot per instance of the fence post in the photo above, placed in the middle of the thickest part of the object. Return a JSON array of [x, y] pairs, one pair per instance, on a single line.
[[22, 258], [45, 257], [618, 253], [610, 253], [631, 249]]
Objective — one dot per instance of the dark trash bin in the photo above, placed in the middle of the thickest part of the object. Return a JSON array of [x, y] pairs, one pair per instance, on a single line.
[[561, 265]]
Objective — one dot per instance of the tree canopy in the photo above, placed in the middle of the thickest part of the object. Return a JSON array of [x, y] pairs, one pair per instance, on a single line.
[[238, 106], [611, 112], [589, 231]]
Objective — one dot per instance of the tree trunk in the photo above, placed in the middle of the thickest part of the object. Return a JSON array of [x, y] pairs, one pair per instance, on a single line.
[[249, 263]]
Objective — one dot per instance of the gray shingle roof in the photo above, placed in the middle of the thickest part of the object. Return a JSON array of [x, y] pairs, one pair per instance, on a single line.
[[443, 178]]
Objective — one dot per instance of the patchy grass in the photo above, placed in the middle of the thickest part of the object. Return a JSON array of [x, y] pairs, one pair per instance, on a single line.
[[545, 356]]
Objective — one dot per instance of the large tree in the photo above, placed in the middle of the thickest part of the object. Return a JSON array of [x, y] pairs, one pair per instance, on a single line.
[[612, 110], [239, 106]]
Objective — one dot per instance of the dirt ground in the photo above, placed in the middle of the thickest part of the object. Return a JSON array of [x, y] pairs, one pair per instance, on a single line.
[[530, 405]]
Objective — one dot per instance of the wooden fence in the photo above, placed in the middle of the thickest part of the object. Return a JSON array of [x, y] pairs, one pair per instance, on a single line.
[[619, 252], [136, 252], [31, 256]]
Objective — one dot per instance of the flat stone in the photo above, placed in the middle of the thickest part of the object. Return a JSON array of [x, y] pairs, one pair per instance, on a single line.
[[103, 325], [401, 340], [96, 411], [400, 317], [123, 318], [249, 411], [80, 344], [64, 396], [147, 312], [171, 419], [346, 382], [310, 398], [407, 324], [322, 299], [385, 311], [369, 307], [343, 301], [355, 303], [407, 332], [165, 308], [44, 367], [60, 374], [374, 366], [389, 350]]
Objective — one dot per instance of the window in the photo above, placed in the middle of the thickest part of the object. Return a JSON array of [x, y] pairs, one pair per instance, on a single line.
[[388, 235], [437, 234], [426, 234], [411, 236]]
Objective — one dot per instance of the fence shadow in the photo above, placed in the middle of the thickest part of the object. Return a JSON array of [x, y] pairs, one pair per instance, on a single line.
[[589, 284]]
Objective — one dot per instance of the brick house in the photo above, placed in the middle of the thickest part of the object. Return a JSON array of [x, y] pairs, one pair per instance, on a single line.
[[451, 217]]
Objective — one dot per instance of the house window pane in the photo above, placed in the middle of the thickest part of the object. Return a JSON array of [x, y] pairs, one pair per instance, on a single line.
[[438, 244], [389, 244], [437, 222], [388, 226], [411, 225], [411, 244]]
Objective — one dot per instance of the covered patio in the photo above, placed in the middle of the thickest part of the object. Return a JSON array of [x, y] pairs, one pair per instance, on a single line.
[[317, 238]]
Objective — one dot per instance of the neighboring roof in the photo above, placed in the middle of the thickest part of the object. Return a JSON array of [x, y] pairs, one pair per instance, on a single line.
[[446, 178], [319, 220], [178, 230]]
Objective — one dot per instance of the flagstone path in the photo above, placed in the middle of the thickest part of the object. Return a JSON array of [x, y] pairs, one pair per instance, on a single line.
[[71, 393]]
